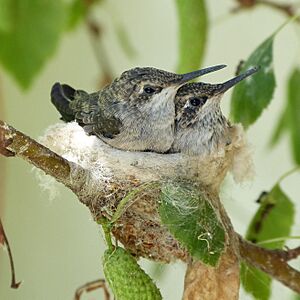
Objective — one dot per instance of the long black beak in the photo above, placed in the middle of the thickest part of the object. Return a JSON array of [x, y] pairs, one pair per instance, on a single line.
[[189, 76], [232, 82]]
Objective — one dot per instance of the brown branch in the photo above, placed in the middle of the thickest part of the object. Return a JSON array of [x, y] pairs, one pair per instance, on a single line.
[[272, 262], [15, 143], [287, 9], [209, 283], [291, 253]]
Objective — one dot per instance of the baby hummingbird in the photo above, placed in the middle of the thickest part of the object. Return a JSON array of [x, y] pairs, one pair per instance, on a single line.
[[200, 126], [135, 112]]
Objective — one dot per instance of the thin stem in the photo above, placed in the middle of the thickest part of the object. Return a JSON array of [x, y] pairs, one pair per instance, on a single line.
[[279, 239], [288, 173], [130, 196], [91, 286], [13, 284], [106, 229]]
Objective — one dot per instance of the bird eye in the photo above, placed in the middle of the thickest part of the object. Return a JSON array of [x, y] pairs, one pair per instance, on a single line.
[[195, 101], [149, 90]]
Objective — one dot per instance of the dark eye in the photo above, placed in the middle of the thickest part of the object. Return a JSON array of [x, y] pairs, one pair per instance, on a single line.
[[149, 90], [195, 101]]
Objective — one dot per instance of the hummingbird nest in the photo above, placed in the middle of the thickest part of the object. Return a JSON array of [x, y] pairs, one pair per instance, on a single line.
[[112, 174]]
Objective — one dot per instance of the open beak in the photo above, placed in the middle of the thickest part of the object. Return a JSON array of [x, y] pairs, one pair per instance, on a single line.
[[223, 87], [192, 75]]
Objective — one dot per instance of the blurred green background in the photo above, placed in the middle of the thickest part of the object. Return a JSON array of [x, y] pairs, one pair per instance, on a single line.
[[56, 245]]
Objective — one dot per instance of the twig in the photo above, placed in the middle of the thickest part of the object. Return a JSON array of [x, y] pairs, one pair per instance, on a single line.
[[15, 143], [287, 9], [13, 284], [91, 286], [272, 262]]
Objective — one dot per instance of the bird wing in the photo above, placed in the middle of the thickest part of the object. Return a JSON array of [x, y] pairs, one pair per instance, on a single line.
[[94, 115]]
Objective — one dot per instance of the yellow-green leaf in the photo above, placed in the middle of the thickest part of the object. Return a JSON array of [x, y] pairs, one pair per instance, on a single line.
[[273, 219], [193, 25], [32, 38], [193, 222], [252, 96]]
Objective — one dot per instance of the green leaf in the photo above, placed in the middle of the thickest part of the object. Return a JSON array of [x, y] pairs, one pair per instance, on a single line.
[[77, 11], [293, 112], [296, 297], [34, 35], [256, 282], [192, 221], [289, 120], [281, 127], [252, 96], [193, 25], [273, 219], [6, 15], [275, 208]]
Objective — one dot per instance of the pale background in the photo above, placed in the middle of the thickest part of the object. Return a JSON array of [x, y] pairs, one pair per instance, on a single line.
[[56, 245]]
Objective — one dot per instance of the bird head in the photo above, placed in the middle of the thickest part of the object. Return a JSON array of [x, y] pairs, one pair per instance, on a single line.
[[153, 87], [194, 101]]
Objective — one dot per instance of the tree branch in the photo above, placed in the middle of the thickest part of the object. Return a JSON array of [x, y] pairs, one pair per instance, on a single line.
[[208, 283], [273, 262], [15, 143]]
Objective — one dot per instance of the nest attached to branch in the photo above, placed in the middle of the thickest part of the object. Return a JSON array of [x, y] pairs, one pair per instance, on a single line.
[[113, 173]]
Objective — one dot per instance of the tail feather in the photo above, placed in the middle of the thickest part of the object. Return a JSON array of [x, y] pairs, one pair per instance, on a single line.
[[61, 96]]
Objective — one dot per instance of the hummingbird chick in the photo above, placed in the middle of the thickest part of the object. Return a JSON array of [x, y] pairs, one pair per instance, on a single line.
[[200, 126], [135, 112]]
